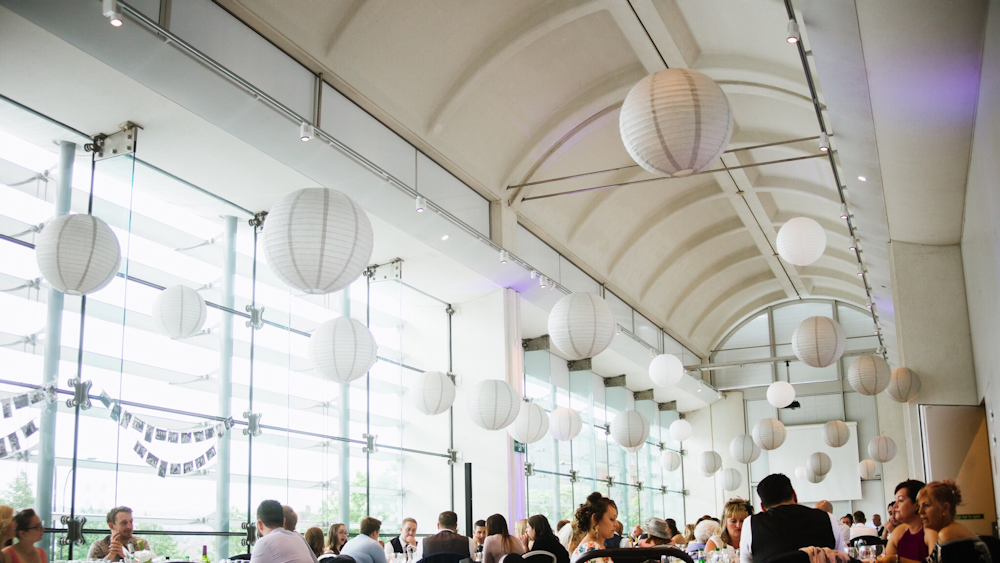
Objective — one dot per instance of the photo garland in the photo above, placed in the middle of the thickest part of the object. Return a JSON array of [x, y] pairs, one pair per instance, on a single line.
[[14, 442], [163, 467], [10, 445], [46, 393]]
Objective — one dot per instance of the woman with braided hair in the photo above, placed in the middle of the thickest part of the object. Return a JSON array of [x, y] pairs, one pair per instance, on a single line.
[[595, 523]]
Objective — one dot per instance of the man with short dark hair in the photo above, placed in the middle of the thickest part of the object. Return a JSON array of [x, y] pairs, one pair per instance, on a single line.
[[291, 518], [276, 544], [783, 525], [614, 542], [861, 527], [847, 519], [479, 534], [447, 540], [113, 546], [365, 547]]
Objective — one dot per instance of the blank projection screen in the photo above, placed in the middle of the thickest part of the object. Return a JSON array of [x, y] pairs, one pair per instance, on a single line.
[[841, 483]]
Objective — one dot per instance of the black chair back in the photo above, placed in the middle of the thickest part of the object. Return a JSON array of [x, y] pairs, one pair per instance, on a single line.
[[797, 556], [511, 558], [537, 557], [636, 554], [993, 544], [443, 558]]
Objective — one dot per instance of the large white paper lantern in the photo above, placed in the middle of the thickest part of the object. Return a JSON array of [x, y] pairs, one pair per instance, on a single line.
[[179, 312], [904, 385], [743, 449], [768, 433], [342, 349], [670, 461], [317, 240], [709, 462], [814, 477], [882, 449], [801, 241], [869, 375], [565, 424], [531, 424], [731, 479], [666, 370], [493, 404], [676, 122], [780, 394], [630, 428], [680, 430], [836, 433], [581, 325], [800, 472], [819, 341], [432, 392], [634, 449], [78, 254], [867, 469], [819, 463]]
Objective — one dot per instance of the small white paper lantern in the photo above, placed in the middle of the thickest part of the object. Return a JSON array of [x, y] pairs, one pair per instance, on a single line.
[[680, 430], [867, 469], [869, 375], [633, 449], [179, 312], [565, 424], [768, 433], [801, 241], [630, 428], [814, 477], [836, 433], [904, 385], [709, 462], [670, 461], [666, 370], [800, 472], [531, 424], [882, 449], [342, 349], [731, 479], [743, 449], [493, 404], [317, 240], [676, 122], [78, 254], [819, 341], [819, 463], [780, 394], [432, 392], [581, 325]]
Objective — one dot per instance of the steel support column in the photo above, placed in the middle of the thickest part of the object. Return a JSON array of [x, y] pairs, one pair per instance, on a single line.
[[222, 471]]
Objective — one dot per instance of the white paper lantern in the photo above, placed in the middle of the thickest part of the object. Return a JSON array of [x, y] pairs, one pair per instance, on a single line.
[[867, 469], [317, 240], [531, 424], [432, 392], [680, 430], [670, 461], [819, 463], [743, 449], [882, 449], [342, 349], [630, 428], [709, 462], [676, 122], [869, 375], [814, 477], [581, 325], [801, 241], [800, 472], [666, 370], [179, 312], [493, 404], [565, 424], [904, 385], [633, 449], [780, 394], [768, 433], [836, 433], [731, 479], [78, 254], [819, 341]]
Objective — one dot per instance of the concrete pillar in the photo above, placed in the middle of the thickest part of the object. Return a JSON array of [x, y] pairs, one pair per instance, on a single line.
[[222, 471]]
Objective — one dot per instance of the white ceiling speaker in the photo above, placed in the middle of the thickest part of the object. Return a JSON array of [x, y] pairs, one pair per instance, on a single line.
[[819, 342], [670, 461], [819, 463], [731, 479], [680, 430], [342, 350], [581, 325], [836, 433], [432, 392], [493, 404], [814, 477], [867, 469], [179, 312], [800, 472], [676, 122], [630, 428], [780, 394], [882, 449], [904, 385], [869, 375], [768, 433], [317, 240], [565, 424], [531, 424], [801, 241], [709, 462], [743, 449], [666, 370], [78, 254]]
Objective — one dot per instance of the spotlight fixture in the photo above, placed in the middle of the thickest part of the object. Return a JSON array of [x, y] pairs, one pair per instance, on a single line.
[[504, 256], [535, 274], [542, 282], [720, 395], [652, 353], [420, 203], [306, 132], [869, 303], [444, 237], [793, 32], [861, 270], [618, 330], [824, 141], [111, 12], [862, 178], [699, 387], [879, 351], [843, 211], [875, 328], [854, 243]]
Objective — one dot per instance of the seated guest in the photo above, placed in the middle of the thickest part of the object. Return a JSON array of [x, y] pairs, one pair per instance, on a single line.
[[688, 534], [783, 525], [499, 542], [677, 538], [657, 533], [291, 518], [275, 543], [615, 541], [7, 526], [447, 540], [909, 539], [112, 547], [637, 533], [28, 530], [479, 534], [877, 524], [891, 523], [406, 541], [847, 520], [560, 524], [703, 531], [734, 513], [595, 521], [861, 527], [314, 539], [521, 531], [542, 539], [365, 547], [845, 530], [566, 535], [335, 540]]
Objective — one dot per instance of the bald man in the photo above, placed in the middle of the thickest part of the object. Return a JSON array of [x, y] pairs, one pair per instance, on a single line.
[[845, 530]]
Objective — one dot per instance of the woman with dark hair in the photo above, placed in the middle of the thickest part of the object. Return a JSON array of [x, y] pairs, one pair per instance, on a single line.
[[542, 538], [595, 521], [28, 530], [314, 537], [910, 539], [335, 539], [677, 537], [498, 541]]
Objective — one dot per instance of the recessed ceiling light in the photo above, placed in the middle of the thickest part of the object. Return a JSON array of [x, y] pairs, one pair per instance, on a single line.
[[444, 237], [862, 178]]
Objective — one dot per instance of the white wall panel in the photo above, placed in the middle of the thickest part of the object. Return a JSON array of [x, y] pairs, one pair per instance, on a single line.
[[438, 185]]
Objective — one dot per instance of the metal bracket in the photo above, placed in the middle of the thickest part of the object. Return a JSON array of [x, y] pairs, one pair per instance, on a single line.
[[452, 456], [74, 530], [616, 381], [392, 270], [662, 446], [663, 490], [686, 492], [251, 534], [607, 429], [253, 424], [81, 394], [257, 222], [638, 485], [646, 395], [115, 144], [579, 365], [370, 447], [529, 469], [610, 481], [533, 344], [574, 476], [668, 406], [256, 317]]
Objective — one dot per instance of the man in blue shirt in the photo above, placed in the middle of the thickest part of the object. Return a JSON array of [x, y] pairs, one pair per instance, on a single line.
[[365, 547], [276, 544]]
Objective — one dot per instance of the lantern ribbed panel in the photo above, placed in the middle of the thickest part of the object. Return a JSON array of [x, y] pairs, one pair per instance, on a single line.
[[709, 462], [904, 385], [801, 241], [800, 472], [493, 404], [531, 424], [680, 430], [882, 449], [869, 375], [317, 240], [768, 433], [867, 469], [670, 461], [819, 341], [836, 433], [634, 449], [78, 254], [630, 428], [814, 477], [666, 370], [675, 122], [780, 394], [179, 312], [743, 449], [819, 463], [731, 479], [565, 424], [581, 325], [432, 392], [342, 350]]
